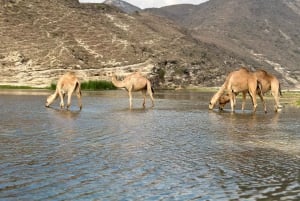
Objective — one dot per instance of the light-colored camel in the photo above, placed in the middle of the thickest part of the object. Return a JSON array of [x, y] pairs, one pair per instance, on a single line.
[[135, 82], [68, 83], [268, 82], [241, 80]]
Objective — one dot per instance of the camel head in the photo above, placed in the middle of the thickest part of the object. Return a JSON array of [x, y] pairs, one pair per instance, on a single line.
[[50, 99], [211, 106], [213, 101], [223, 100]]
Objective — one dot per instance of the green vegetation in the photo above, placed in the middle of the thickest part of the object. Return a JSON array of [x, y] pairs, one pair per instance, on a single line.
[[97, 85], [52, 86], [92, 85], [15, 87], [290, 97]]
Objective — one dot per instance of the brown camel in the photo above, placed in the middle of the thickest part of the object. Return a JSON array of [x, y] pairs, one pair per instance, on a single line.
[[68, 83], [268, 82], [241, 80], [135, 82]]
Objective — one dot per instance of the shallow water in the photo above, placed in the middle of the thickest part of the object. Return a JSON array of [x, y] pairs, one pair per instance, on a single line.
[[178, 150]]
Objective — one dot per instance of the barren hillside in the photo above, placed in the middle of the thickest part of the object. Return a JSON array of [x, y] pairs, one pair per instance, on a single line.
[[264, 30], [41, 40]]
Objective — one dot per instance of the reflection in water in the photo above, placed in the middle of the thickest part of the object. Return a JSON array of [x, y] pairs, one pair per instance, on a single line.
[[178, 150], [64, 114]]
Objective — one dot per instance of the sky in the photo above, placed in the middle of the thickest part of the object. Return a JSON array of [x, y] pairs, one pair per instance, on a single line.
[[152, 3]]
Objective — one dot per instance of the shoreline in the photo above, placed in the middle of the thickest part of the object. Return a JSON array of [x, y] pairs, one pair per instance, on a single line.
[[289, 97]]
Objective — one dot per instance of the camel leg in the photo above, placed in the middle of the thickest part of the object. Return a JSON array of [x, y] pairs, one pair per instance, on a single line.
[[244, 100], [69, 99], [263, 101], [232, 104], [277, 104], [276, 98], [151, 96], [234, 100], [130, 99], [144, 96], [152, 99], [150, 90], [253, 97], [61, 96], [78, 93]]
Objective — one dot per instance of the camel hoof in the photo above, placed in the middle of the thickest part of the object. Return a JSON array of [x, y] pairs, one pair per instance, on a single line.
[[278, 109]]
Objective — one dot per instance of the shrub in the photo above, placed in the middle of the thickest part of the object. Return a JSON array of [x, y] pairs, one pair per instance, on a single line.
[[92, 85], [97, 85]]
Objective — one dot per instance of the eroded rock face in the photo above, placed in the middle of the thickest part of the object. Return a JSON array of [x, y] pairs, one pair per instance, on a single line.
[[263, 30], [18, 70], [41, 40]]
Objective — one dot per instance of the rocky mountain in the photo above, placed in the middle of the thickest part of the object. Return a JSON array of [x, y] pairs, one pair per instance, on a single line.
[[123, 5], [264, 30], [41, 40]]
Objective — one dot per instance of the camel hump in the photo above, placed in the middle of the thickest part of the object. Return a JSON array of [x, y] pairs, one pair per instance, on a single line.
[[243, 69], [262, 71]]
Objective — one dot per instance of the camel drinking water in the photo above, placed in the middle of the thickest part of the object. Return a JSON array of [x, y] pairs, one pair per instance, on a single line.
[[135, 82], [268, 82], [69, 84], [241, 80]]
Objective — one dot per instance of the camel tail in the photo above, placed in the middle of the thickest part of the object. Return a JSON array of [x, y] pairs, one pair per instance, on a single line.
[[77, 87], [279, 89], [152, 89], [259, 86]]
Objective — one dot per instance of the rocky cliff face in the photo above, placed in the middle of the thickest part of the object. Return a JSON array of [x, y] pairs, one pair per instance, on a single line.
[[41, 40]]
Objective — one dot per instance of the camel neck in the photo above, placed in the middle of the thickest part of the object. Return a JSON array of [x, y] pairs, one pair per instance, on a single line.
[[117, 83]]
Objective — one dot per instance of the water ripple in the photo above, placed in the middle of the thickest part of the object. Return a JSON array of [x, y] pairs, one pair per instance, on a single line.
[[177, 150]]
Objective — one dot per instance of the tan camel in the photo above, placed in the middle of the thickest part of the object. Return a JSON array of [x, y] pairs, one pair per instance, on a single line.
[[68, 83], [241, 80], [135, 82], [268, 82]]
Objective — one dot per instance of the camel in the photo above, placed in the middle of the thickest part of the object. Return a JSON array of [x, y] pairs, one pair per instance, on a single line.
[[135, 82], [241, 80], [68, 83], [268, 82]]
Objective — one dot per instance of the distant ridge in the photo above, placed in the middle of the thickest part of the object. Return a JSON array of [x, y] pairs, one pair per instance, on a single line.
[[123, 5], [264, 30]]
